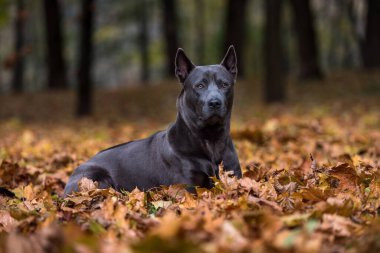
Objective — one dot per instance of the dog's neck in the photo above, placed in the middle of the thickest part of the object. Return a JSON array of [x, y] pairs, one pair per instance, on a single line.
[[210, 133]]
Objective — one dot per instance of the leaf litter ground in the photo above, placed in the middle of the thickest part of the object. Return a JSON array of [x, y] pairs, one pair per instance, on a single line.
[[311, 174]]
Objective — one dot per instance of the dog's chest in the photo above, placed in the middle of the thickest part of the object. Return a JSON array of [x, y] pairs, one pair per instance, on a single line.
[[215, 152]]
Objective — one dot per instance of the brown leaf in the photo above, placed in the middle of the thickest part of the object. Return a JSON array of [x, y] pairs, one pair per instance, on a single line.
[[347, 176], [85, 185], [265, 202], [338, 225], [7, 222]]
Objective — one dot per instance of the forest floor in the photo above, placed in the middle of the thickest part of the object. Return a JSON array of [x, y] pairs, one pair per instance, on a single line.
[[311, 174]]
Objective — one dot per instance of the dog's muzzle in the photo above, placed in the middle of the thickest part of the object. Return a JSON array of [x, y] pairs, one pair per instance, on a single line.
[[214, 112], [214, 104]]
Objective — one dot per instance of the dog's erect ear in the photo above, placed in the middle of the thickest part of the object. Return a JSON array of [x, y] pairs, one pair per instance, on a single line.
[[230, 61], [183, 66]]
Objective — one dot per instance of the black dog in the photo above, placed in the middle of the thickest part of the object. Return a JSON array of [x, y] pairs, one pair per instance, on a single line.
[[190, 150]]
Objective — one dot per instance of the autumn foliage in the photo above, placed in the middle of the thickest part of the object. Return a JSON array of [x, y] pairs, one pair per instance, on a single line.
[[311, 177]]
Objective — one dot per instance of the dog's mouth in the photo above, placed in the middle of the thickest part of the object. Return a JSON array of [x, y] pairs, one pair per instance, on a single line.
[[214, 120]]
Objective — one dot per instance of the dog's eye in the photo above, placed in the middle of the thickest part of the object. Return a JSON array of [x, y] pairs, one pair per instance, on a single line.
[[225, 85], [200, 86]]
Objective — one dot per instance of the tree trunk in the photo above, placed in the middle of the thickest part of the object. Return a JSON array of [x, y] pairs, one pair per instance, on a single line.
[[306, 40], [235, 29], [85, 85], [18, 68], [371, 45], [170, 30], [56, 78], [200, 26], [274, 89], [144, 39]]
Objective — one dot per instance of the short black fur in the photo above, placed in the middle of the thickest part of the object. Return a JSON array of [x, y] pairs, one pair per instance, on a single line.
[[190, 150]]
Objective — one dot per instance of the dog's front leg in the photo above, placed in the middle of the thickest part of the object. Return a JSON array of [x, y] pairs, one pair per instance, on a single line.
[[231, 161]]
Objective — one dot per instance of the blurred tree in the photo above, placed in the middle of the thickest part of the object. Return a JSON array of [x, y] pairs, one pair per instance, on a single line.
[[235, 29], [143, 39], [171, 34], [4, 16], [274, 90], [306, 40], [18, 65], [200, 31], [56, 78], [4, 12], [85, 83], [371, 45]]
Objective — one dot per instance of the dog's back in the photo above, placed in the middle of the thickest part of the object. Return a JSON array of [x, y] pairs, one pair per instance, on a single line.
[[122, 167]]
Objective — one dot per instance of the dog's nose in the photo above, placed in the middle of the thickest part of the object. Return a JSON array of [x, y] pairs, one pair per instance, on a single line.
[[214, 103]]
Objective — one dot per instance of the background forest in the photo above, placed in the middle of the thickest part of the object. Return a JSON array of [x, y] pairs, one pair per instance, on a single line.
[[46, 44]]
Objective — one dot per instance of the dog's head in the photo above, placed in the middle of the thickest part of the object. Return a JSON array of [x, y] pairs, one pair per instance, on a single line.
[[207, 93]]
